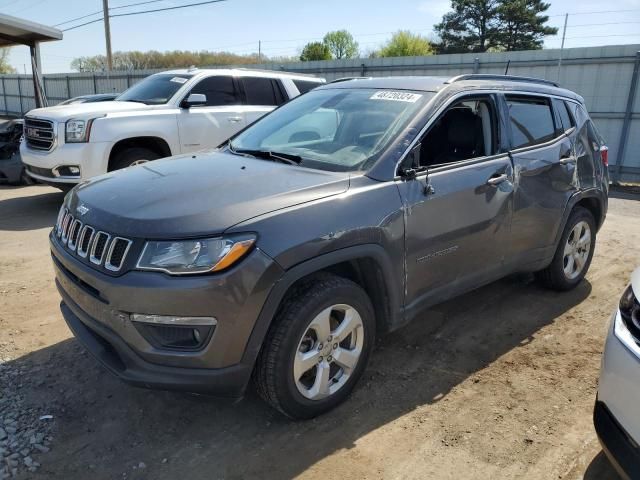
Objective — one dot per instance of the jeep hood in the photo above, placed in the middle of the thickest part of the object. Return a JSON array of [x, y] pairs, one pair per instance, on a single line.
[[86, 110], [197, 195]]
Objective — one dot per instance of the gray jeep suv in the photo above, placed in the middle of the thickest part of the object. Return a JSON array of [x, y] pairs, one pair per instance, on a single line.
[[340, 215]]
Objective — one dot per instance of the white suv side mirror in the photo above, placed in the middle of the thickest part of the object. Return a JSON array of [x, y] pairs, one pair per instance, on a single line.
[[195, 99]]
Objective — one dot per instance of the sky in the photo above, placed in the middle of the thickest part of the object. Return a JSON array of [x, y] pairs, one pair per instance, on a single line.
[[284, 26]]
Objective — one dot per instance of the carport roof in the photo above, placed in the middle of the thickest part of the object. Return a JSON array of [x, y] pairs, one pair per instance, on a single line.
[[16, 31]]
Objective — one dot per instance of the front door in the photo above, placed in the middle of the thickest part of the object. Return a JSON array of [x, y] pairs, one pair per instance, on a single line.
[[458, 215], [207, 126]]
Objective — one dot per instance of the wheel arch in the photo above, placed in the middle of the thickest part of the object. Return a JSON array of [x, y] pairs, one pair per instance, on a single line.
[[156, 144], [367, 265], [594, 200]]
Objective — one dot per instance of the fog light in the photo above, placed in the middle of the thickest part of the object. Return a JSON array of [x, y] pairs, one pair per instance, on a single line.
[[173, 332], [67, 171]]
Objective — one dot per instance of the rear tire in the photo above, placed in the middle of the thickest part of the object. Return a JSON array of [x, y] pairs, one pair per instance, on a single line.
[[573, 253], [317, 348], [132, 156]]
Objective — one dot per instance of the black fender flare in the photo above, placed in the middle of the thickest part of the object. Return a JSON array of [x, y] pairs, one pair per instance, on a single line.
[[580, 195], [300, 270]]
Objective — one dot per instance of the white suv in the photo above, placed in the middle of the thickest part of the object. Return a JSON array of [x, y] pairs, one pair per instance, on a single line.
[[168, 113]]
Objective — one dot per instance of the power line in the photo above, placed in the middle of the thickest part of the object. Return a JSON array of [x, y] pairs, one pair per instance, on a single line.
[[594, 13], [110, 8], [167, 8]]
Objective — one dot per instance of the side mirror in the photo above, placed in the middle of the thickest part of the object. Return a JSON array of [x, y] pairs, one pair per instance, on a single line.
[[410, 166], [195, 99]]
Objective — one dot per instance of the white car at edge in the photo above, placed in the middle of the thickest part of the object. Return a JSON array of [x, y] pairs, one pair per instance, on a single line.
[[168, 113], [616, 414]]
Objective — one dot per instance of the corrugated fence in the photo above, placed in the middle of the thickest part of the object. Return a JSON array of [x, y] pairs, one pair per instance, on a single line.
[[607, 78]]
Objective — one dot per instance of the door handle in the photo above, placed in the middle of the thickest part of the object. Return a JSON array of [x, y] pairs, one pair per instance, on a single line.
[[567, 160], [497, 179], [234, 119]]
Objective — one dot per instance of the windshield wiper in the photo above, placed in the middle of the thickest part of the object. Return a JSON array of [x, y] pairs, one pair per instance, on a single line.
[[269, 155]]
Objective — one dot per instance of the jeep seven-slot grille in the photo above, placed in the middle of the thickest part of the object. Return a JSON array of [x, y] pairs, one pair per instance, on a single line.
[[84, 240], [39, 134]]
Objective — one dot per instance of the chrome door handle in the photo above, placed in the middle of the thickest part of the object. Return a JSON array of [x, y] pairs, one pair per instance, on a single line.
[[567, 160], [493, 181], [234, 119]]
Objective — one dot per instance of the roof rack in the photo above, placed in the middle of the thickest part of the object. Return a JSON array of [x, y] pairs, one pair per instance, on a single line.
[[510, 78], [281, 70], [346, 79]]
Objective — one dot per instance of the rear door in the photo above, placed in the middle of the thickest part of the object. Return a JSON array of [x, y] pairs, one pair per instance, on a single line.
[[544, 163], [207, 126], [261, 95]]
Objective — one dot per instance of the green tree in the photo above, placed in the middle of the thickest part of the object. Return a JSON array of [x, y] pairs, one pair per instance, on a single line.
[[5, 67], [471, 26], [341, 44], [522, 27], [406, 44], [315, 51]]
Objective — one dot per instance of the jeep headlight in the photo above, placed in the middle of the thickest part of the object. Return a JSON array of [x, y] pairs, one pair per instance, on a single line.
[[186, 257], [77, 131]]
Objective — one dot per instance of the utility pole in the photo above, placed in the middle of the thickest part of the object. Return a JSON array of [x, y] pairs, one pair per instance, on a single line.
[[107, 32], [564, 32], [259, 51]]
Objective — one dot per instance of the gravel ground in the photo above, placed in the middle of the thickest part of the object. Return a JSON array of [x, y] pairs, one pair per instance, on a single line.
[[499, 383]]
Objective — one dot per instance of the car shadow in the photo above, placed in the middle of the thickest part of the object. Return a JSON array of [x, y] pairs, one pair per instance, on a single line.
[[600, 468], [30, 212], [104, 426]]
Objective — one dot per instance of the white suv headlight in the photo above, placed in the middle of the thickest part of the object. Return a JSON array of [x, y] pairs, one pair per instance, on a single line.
[[184, 257], [77, 131]]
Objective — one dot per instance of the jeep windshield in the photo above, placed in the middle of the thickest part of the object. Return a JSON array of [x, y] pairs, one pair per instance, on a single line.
[[332, 129], [155, 90]]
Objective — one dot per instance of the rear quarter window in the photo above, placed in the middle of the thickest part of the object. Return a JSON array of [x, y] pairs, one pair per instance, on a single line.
[[531, 120]]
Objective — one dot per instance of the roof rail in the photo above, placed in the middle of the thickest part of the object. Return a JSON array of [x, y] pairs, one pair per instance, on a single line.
[[281, 70], [346, 79], [510, 78]]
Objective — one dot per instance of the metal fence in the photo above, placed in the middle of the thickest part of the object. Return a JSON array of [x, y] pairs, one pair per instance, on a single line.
[[607, 78]]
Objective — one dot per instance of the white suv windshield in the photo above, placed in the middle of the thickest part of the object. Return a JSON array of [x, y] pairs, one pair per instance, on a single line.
[[333, 129], [156, 89]]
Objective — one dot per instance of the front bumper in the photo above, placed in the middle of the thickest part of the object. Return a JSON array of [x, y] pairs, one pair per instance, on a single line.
[[616, 416], [92, 158], [96, 308], [623, 452]]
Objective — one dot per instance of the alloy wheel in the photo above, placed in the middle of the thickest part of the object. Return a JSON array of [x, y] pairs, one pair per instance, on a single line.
[[328, 352], [576, 250]]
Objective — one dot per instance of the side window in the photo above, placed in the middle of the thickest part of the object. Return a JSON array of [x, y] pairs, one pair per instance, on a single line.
[[304, 86], [466, 130], [279, 90], [220, 91], [566, 119], [259, 91], [531, 120]]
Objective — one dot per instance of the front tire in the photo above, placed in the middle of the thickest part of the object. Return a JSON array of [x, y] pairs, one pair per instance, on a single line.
[[317, 347], [573, 254], [133, 156]]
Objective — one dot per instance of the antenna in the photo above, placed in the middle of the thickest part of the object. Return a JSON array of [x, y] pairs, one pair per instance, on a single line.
[[506, 70]]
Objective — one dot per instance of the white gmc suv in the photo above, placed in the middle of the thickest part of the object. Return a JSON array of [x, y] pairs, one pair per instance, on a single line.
[[165, 114]]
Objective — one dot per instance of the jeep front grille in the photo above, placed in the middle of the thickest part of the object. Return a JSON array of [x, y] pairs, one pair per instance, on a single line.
[[39, 134], [84, 240]]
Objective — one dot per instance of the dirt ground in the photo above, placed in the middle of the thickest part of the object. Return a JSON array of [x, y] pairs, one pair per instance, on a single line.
[[499, 383]]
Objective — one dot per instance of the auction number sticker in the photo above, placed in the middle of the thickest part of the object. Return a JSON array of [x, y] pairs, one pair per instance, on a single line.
[[179, 80], [396, 96]]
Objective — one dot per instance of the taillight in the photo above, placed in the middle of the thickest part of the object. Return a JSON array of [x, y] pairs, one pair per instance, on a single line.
[[604, 155]]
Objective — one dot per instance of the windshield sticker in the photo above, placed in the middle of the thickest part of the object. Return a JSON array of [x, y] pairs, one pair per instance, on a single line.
[[179, 80], [396, 96]]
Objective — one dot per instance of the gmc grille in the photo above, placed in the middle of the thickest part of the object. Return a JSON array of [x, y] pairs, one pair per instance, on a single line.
[[102, 249], [39, 134]]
